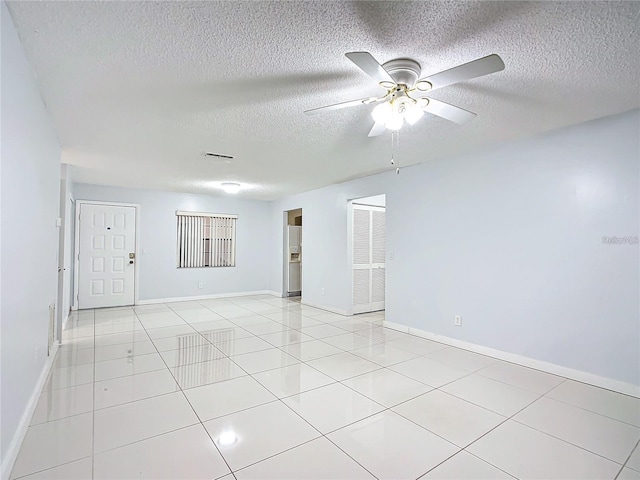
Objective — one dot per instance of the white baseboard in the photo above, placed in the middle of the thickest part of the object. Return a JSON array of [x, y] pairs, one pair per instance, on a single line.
[[16, 442], [205, 297], [578, 375], [324, 307]]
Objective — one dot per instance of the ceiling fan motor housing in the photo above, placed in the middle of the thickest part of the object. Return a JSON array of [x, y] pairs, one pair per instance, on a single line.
[[403, 71]]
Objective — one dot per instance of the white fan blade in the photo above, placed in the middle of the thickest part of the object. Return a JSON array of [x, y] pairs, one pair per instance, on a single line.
[[370, 66], [477, 68], [377, 129], [338, 106], [449, 112]]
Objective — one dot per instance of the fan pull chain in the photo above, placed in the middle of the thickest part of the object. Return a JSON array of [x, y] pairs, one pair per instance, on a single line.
[[395, 150]]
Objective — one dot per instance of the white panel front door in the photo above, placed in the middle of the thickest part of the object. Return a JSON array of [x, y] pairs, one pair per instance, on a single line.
[[368, 258], [106, 269]]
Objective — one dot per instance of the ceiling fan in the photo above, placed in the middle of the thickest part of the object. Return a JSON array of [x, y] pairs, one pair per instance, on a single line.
[[399, 78]]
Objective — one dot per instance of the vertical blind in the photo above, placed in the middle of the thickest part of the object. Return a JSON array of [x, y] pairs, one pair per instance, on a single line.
[[206, 240]]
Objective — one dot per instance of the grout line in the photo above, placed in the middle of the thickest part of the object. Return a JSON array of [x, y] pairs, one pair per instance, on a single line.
[[624, 465]]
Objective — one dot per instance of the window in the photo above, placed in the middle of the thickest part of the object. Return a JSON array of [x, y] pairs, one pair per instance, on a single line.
[[206, 240]]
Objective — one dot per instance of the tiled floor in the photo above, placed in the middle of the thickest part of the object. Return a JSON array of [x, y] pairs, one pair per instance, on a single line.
[[266, 388]]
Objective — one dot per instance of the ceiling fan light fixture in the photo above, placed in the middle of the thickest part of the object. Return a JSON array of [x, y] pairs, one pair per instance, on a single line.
[[382, 113], [395, 121], [413, 113], [231, 187], [387, 85], [424, 85]]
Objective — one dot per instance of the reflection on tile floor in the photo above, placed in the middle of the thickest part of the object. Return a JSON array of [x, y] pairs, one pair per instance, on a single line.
[[261, 387]]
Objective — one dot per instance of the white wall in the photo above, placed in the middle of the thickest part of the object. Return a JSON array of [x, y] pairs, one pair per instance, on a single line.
[[510, 238], [29, 207], [159, 277]]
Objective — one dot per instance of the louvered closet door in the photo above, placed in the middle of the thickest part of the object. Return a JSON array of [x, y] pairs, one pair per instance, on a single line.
[[368, 258]]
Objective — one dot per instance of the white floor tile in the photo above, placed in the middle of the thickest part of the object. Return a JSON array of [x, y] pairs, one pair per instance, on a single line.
[[332, 407], [384, 354], [521, 377], [602, 435], [526, 453], [634, 460], [462, 359], [295, 321], [184, 306], [350, 341], [131, 388], [598, 400], [453, 419], [291, 380], [121, 367], [64, 402], [176, 343], [265, 328], [112, 328], [251, 320], [117, 338], [215, 325], [327, 317], [490, 394], [78, 470], [289, 337], [628, 474], [204, 373], [199, 316], [180, 331], [240, 346], [123, 350], [386, 387], [132, 422], [264, 360], [230, 333], [417, 345], [429, 371], [464, 466], [316, 460], [310, 350], [260, 432], [51, 444], [223, 398], [343, 365], [69, 376], [323, 331], [194, 354], [70, 357], [184, 454], [391, 447]]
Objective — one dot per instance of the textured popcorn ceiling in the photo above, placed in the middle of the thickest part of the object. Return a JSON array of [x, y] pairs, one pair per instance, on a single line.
[[139, 90]]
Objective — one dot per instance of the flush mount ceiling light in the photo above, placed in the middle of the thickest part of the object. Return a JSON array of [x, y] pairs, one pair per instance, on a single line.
[[231, 187], [400, 78]]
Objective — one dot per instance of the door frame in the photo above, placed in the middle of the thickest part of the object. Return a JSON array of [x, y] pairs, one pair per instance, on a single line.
[[76, 263]]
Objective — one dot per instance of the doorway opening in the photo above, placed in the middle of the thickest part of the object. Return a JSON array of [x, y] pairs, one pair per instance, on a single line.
[[292, 254], [367, 241]]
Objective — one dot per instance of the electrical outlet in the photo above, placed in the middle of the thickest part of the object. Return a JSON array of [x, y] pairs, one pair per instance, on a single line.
[[323, 291], [200, 284], [390, 255], [457, 321]]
